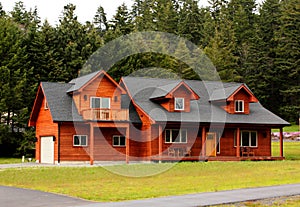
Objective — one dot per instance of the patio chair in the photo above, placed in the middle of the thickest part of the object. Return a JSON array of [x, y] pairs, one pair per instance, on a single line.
[[188, 151], [171, 152]]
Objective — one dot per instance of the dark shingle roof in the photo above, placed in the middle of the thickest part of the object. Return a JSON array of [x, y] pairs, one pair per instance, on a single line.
[[77, 83], [202, 110], [61, 106]]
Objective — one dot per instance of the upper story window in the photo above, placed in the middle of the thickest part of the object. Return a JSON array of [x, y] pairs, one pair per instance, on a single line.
[[239, 106], [179, 103], [100, 102]]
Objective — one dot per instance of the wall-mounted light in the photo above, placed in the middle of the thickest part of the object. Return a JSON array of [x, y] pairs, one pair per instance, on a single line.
[[35, 139], [54, 138]]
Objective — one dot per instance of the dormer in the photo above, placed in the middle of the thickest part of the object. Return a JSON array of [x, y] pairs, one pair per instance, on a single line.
[[235, 99], [175, 97], [98, 97]]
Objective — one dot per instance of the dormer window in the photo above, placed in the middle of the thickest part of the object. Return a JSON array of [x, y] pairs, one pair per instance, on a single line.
[[239, 106], [100, 103], [179, 104]]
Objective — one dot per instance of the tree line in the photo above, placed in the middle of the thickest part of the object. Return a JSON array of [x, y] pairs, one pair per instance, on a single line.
[[255, 44]]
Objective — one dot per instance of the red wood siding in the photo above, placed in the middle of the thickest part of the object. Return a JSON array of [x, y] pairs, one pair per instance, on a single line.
[[263, 148], [181, 92], [100, 87], [104, 149], [45, 127], [241, 95], [68, 152]]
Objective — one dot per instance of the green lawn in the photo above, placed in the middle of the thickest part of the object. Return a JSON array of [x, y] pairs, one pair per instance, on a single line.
[[291, 150], [292, 128], [96, 183], [99, 184], [5, 160]]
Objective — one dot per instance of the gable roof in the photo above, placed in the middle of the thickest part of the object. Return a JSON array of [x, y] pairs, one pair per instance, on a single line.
[[60, 104], [166, 91], [202, 110], [80, 82]]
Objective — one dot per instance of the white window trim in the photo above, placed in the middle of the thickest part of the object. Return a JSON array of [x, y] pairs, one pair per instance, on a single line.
[[46, 107], [119, 137], [237, 109], [80, 145], [249, 131], [180, 138], [94, 97], [177, 109]]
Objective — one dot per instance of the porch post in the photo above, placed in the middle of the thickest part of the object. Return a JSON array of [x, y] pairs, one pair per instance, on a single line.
[[203, 142], [91, 144], [159, 142], [238, 142], [127, 145], [281, 142], [150, 142]]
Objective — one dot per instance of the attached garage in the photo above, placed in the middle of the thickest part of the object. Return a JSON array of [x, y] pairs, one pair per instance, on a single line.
[[47, 150]]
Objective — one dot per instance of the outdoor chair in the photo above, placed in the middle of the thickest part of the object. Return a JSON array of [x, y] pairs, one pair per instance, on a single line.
[[171, 152]]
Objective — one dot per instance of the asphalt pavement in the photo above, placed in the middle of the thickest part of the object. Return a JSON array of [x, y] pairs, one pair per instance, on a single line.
[[16, 197]]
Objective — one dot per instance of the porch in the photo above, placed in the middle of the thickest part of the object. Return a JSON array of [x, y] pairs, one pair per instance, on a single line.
[[218, 158]]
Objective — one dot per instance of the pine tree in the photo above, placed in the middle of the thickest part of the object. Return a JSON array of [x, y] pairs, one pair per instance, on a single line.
[[288, 59]]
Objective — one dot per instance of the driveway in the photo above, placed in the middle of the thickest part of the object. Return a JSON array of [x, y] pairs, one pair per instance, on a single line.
[[16, 197]]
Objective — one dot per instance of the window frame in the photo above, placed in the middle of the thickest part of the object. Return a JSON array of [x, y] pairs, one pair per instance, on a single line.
[[250, 138], [239, 108], [100, 102], [175, 104], [119, 141], [80, 140], [180, 133]]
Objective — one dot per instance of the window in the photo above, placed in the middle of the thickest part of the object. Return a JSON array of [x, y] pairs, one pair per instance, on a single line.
[[179, 103], [80, 140], [248, 139], [239, 106], [176, 136], [46, 105], [119, 141], [100, 102]]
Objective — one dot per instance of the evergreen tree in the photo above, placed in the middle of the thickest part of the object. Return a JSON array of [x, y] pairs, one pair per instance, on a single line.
[[288, 59]]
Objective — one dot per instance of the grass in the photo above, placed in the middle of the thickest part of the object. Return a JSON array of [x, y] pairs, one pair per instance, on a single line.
[[99, 184], [292, 201], [5, 160], [291, 150], [292, 128]]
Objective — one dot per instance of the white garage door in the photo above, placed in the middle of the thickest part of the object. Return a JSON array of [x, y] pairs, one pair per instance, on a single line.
[[47, 150]]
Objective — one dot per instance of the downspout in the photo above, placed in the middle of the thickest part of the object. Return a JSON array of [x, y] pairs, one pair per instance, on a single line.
[[58, 143]]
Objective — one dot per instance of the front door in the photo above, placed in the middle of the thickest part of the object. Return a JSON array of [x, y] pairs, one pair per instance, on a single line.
[[210, 144], [47, 150]]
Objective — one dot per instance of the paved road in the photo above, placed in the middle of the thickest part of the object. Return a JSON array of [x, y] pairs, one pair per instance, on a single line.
[[16, 197]]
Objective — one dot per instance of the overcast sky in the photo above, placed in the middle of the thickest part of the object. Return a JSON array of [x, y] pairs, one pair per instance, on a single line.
[[85, 9]]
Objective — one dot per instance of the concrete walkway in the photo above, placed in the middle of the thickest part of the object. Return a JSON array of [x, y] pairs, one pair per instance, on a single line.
[[16, 197]]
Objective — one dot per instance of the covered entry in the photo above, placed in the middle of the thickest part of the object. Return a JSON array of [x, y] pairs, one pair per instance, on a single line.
[[47, 150], [210, 144]]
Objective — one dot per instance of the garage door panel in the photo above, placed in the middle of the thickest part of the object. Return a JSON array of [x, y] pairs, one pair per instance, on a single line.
[[47, 150]]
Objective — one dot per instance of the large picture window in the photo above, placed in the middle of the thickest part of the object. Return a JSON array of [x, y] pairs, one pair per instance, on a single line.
[[100, 103], [179, 103], [239, 106], [176, 136], [119, 141], [248, 139], [80, 140]]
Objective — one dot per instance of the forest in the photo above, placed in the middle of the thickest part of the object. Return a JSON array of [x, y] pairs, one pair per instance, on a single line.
[[255, 44]]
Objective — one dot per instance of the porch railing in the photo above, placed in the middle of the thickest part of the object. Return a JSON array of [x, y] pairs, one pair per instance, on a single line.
[[106, 114]]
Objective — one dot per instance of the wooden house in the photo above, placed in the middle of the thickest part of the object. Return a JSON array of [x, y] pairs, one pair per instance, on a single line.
[[93, 118]]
